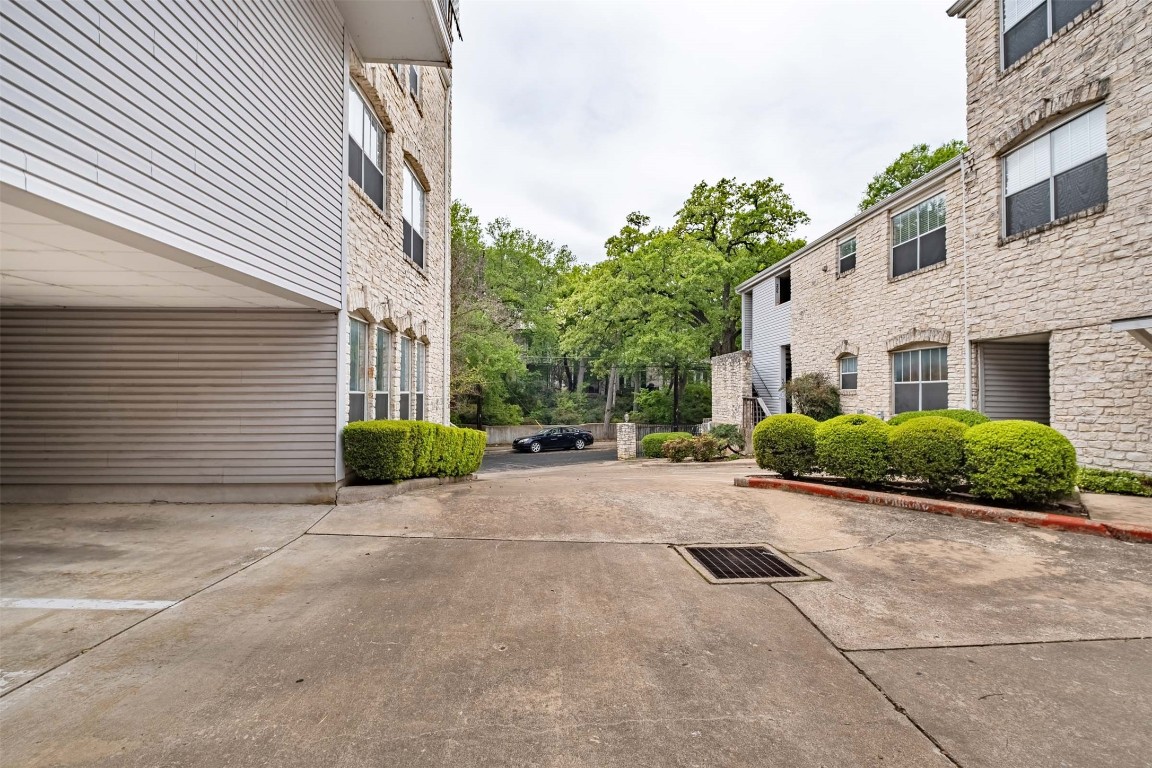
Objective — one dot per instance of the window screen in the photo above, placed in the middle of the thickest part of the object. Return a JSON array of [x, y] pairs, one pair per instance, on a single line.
[[848, 372], [919, 236], [413, 217], [1060, 173], [920, 379], [421, 365], [383, 372], [1027, 23], [366, 140], [847, 256], [357, 368]]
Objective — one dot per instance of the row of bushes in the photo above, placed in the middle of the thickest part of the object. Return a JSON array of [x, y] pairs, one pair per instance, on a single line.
[[399, 450], [971, 418], [1003, 460]]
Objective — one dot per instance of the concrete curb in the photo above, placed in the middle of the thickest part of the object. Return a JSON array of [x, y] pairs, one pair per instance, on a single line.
[[355, 494], [1121, 531]]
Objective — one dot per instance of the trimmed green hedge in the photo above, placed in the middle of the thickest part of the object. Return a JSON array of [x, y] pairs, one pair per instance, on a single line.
[[1103, 481], [971, 418], [929, 449], [786, 443], [853, 446], [399, 450], [652, 446], [677, 450], [1019, 461]]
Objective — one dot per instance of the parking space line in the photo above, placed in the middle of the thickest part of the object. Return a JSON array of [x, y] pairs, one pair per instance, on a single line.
[[66, 604]]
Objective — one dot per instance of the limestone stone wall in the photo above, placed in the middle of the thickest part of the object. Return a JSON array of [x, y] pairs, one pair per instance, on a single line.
[[385, 287], [625, 440], [869, 314], [1070, 278], [731, 383]]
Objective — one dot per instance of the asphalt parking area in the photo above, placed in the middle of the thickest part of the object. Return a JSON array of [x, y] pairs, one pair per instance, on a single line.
[[541, 618], [502, 458]]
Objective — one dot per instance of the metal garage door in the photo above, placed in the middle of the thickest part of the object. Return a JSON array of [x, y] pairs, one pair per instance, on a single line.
[[1014, 381]]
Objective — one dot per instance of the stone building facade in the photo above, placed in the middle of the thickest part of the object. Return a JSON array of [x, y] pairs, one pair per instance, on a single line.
[[1040, 306], [401, 300]]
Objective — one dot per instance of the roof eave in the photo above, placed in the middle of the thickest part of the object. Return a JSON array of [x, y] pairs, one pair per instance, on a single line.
[[916, 187], [961, 7]]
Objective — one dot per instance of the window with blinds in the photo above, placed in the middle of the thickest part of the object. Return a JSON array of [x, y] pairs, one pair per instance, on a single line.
[[365, 147], [414, 81], [920, 379], [413, 217], [421, 368], [847, 261], [405, 378], [357, 368], [848, 372], [383, 372], [919, 236], [1063, 172], [1027, 23]]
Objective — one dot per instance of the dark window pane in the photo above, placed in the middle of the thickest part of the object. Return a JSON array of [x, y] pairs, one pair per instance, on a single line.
[[417, 248], [1063, 11], [420, 406], [355, 163], [1027, 208], [904, 258], [847, 263], [907, 397], [848, 381], [932, 247], [784, 289], [1082, 187], [374, 184], [1028, 33], [356, 406], [934, 396], [382, 405], [405, 399], [407, 238]]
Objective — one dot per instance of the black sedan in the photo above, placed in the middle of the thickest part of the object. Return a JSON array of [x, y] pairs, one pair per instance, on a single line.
[[553, 439]]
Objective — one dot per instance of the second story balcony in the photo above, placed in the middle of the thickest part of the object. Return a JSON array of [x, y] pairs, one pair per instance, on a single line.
[[402, 31]]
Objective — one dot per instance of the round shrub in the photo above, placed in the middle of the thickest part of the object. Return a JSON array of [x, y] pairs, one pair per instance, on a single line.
[[853, 446], [786, 443], [970, 418], [929, 449], [705, 448], [652, 445], [678, 449], [1019, 461]]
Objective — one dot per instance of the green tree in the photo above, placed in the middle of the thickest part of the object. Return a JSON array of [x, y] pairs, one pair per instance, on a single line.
[[908, 167]]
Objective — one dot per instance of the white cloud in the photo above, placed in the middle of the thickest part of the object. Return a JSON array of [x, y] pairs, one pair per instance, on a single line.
[[569, 114]]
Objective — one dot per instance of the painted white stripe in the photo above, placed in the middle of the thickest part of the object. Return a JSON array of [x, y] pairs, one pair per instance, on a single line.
[[64, 604]]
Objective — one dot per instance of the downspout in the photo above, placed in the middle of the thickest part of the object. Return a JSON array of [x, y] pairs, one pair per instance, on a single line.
[[964, 258], [446, 416]]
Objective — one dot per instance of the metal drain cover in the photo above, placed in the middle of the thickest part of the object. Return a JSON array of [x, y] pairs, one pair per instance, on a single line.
[[743, 565]]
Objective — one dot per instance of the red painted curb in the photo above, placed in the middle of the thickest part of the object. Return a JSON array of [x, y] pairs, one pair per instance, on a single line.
[[1123, 531]]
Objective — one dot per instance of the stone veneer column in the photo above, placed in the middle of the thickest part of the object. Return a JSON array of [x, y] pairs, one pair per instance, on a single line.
[[625, 440]]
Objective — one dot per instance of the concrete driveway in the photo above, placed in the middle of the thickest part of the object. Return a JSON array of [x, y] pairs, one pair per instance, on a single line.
[[541, 618]]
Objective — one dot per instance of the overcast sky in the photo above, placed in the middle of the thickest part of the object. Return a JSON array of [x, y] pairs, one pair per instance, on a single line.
[[569, 114]]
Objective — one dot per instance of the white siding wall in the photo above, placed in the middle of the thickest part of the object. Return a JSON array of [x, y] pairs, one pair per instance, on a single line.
[[159, 396], [771, 329], [212, 127]]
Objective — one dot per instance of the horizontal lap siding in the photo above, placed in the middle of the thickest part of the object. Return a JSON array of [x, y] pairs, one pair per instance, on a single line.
[[215, 127], [121, 396], [771, 329]]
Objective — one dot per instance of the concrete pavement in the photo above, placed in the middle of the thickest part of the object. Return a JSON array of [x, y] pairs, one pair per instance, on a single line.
[[540, 618]]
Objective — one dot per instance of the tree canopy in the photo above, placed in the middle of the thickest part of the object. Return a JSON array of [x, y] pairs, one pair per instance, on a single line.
[[908, 167]]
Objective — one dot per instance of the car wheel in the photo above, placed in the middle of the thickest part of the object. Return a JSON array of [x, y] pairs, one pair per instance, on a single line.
[[579, 445], [535, 448]]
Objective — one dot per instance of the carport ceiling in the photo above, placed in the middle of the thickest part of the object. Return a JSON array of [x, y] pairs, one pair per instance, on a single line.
[[44, 263]]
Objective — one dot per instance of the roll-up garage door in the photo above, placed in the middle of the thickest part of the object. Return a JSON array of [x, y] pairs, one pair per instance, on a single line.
[[1014, 381]]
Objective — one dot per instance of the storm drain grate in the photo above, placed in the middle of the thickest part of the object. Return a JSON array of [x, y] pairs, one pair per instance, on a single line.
[[727, 564]]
